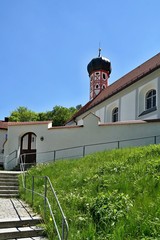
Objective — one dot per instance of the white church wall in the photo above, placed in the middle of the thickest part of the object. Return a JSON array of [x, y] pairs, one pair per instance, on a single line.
[[101, 113], [128, 106], [79, 121], [99, 137], [130, 101], [109, 108], [142, 91], [15, 132], [68, 142], [92, 135], [3, 133]]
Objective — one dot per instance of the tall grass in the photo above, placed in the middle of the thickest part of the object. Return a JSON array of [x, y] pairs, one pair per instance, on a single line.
[[111, 195]]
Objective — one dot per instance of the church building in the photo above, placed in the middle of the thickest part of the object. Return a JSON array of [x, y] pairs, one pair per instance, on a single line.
[[122, 114], [135, 96]]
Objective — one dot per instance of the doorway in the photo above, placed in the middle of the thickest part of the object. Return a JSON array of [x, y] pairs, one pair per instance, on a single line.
[[28, 147]]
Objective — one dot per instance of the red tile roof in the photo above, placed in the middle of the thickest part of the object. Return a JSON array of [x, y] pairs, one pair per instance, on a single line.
[[124, 82], [3, 125]]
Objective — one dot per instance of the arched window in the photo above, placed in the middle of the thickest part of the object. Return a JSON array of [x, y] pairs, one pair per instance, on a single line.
[[151, 99], [115, 115]]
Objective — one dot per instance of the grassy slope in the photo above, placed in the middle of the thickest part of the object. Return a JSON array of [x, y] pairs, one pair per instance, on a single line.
[[109, 195]]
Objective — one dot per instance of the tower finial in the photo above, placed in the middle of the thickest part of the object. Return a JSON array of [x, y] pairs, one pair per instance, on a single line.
[[99, 50], [99, 55]]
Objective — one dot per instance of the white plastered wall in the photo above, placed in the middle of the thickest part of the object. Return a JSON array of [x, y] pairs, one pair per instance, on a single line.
[[93, 135], [142, 91], [3, 133]]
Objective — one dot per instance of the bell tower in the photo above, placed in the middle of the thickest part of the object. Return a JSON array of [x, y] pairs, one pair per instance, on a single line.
[[99, 70]]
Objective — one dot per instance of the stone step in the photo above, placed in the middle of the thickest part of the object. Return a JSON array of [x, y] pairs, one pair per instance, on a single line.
[[20, 232], [5, 175], [8, 183], [11, 223], [9, 191], [8, 179], [5, 187], [11, 195]]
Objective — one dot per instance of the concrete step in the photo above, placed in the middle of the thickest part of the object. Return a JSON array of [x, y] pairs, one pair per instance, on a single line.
[[20, 232], [8, 178], [5, 187], [6, 191], [6, 175], [11, 195], [11, 223], [8, 183]]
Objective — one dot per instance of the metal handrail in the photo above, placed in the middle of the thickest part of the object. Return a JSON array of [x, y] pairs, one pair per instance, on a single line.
[[15, 151], [47, 183], [23, 168], [84, 147], [8, 156]]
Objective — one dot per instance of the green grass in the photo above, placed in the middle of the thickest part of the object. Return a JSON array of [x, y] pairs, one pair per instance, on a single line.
[[111, 195]]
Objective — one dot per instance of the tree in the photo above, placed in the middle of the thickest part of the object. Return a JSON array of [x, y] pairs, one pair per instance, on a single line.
[[23, 114], [61, 114]]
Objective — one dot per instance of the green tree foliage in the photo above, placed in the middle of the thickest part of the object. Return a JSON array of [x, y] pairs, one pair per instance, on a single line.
[[59, 115], [23, 114]]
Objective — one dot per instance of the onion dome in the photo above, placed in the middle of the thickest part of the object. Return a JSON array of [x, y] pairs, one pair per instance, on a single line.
[[99, 63]]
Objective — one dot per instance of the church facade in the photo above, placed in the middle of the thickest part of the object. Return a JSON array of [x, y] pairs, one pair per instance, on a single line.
[[135, 96]]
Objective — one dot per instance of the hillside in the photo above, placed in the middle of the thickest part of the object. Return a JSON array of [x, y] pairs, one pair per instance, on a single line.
[[111, 195]]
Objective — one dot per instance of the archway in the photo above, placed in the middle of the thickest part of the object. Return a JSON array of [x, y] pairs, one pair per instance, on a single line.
[[28, 147]]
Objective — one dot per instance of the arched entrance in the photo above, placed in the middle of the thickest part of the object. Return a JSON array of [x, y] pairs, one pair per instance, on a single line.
[[28, 147]]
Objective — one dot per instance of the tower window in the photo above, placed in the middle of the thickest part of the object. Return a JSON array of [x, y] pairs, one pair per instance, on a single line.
[[97, 73], [151, 99], [104, 76], [115, 115], [103, 87], [97, 86]]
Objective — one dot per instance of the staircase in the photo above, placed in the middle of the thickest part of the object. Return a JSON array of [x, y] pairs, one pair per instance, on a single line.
[[8, 185], [21, 229], [17, 221]]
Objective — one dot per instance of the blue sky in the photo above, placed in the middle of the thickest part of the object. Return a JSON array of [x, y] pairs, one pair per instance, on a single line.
[[45, 46]]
